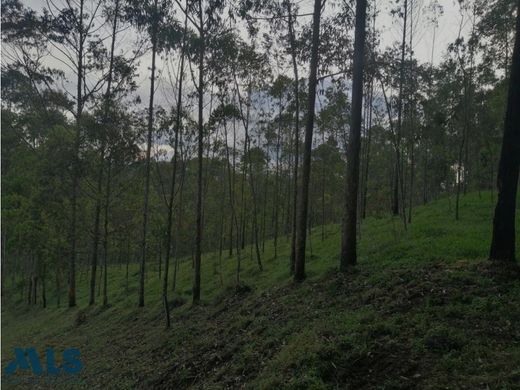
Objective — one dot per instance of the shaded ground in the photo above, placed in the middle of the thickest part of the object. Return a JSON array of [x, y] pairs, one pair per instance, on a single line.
[[442, 326]]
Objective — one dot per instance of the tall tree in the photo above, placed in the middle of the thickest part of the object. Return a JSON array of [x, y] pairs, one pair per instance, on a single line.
[[102, 151], [200, 149], [149, 16], [292, 42], [398, 174], [299, 265], [169, 225], [72, 34], [349, 231], [503, 241]]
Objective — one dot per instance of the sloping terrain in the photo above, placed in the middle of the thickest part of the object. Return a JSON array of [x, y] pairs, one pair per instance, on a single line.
[[423, 309]]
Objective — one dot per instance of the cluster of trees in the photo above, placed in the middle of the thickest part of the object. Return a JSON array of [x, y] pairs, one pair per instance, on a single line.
[[234, 146]]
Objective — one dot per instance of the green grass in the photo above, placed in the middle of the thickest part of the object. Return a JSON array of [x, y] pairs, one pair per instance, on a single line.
[[423, 309]]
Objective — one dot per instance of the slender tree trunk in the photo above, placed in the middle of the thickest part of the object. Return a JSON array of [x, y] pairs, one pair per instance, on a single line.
[[395, 187], [101, 273], [159, 262], [105, 233], [148, 152], [232, 201], [459, 176], [287, 212], [178, 119], [412, 119], [425, 176], [230, 254], [249, 166], [97, 214], [349, 234], [242, 204], [412, 174], [292, 42], [220, 248], [398, 176], [179, 219], [461, 168], [322, 202], [198, 235], [503, 241], [299, 266], [264, 208], [232, 194], [276, 208], [367, 154], [3, 262], [95, 246], [75, 162]]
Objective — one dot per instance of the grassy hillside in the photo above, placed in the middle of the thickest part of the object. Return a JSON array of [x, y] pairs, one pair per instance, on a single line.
[[423, 309]]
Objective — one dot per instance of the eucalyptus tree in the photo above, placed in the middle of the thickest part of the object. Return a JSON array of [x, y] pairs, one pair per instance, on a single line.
[[205, 16], [299, 266], [349, 228], [220, 117], [412, 122], [72, 33], [398, 178], [294, 61], [370, 69], [435, 12], [120, 133], [279, 91], [250, 66], [153, 18], [114, 13], [177, 130], [226, 114], [464, 55], [503, 242]]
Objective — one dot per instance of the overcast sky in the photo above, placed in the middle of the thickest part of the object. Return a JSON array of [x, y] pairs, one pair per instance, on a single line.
[[389, 26]]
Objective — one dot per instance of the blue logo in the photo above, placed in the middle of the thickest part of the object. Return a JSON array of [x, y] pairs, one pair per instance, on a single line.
[[28, 359]]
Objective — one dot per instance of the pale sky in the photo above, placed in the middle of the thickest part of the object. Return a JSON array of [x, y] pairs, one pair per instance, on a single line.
[[389, 26]]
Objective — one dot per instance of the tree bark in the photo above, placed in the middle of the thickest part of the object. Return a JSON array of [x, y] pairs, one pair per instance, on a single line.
[[148, 152], [97, 214], [75, 162], [503, 241], [292, 42], [105, 233], [232, 199], [200, 150], [178, 118], [369, 141], [398, 179], [349, 231], [299, 265]]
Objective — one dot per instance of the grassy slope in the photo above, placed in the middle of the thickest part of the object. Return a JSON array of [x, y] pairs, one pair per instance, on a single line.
[[423, 309]]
